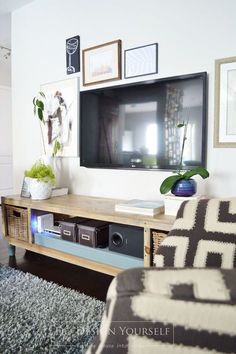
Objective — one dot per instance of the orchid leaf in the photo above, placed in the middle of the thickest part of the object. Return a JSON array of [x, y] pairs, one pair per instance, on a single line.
[[169, 182], [196, 171]]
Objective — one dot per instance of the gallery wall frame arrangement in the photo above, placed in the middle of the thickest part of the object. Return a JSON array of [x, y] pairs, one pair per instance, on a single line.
[[73, 55], [102, 63], [225, 103], [141, 61], [61, 117]]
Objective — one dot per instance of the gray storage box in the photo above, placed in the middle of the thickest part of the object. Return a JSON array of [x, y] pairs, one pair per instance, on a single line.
[[69, 230]]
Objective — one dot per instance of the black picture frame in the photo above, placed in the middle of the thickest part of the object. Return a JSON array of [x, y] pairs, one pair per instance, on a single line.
[[73, 55], [140, 61]]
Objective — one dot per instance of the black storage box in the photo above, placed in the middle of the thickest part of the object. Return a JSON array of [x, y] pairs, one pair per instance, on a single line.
[[93, 233], [69, 230]]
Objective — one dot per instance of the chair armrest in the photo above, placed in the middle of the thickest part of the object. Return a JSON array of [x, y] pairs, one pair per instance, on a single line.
[[169, 309]]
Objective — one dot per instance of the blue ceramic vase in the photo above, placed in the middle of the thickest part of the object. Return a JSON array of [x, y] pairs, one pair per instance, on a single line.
[[184, 188]]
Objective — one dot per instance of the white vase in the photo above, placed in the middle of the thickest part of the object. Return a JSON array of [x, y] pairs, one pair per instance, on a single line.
[[40, 190]]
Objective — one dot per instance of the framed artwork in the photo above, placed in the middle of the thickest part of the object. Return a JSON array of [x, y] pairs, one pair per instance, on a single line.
[[102, 63], [141, 61], [61, 117], [225, 103], [73, 55], [25, 190]]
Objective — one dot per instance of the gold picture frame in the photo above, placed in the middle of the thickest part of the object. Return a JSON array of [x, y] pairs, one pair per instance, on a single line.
[[102, 63], [225, 103]]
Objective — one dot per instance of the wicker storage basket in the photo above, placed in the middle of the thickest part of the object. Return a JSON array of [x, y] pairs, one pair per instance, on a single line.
[[17, 222], [157, 238]]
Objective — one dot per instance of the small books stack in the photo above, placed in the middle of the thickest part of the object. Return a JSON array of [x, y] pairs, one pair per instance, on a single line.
[[142, 207], [58, 191]]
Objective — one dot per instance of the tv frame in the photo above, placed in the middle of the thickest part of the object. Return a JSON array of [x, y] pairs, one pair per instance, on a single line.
[[202, 74]]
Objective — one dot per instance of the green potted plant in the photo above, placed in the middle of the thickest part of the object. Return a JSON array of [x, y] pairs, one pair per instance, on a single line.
[[41, 179], [181, 183], [39, 106]]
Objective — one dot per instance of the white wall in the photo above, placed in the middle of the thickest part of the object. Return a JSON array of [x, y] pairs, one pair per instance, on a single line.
[[191, 35], [5, 71], [5, 35], [6, 171], [5, 141]]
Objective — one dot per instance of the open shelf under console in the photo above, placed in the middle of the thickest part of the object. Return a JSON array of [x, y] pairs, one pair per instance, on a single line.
[[100, 255]]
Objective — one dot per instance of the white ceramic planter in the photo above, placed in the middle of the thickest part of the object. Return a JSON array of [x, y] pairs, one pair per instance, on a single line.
[[39, 190]]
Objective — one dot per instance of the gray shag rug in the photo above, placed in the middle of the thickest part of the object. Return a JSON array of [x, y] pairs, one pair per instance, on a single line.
[[41, 317]]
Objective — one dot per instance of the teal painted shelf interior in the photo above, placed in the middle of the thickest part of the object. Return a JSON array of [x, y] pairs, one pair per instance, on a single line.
[[100, 255]]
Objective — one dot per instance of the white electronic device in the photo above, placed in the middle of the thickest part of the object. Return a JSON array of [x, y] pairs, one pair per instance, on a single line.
[[53, 230], [45, 221]]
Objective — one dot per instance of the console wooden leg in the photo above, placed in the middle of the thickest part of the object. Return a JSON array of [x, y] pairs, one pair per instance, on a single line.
[[11, 250]]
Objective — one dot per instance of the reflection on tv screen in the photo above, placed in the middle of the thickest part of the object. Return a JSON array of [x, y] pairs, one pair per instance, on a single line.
[[136, 126]]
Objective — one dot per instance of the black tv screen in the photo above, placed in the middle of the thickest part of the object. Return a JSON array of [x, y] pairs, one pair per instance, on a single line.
[[136, 126]]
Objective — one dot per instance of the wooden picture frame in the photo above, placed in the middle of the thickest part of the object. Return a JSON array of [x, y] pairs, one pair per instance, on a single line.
[[141, 61], [102, 63], [225, 103]]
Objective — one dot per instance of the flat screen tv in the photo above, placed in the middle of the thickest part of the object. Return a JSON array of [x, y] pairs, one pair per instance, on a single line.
[[135, 126]]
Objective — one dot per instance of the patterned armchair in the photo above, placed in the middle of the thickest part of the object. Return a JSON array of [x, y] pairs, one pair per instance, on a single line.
[[179, 307], [203, 235]]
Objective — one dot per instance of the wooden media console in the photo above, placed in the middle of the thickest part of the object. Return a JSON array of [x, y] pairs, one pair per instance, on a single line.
[[23, 235]]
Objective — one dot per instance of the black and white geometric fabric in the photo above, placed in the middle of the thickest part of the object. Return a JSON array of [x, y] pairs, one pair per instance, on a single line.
[[203, 235], [169, 311]]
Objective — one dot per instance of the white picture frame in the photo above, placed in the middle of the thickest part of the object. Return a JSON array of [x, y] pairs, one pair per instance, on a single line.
[[225, 103], [66, 127], [141, 61]]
